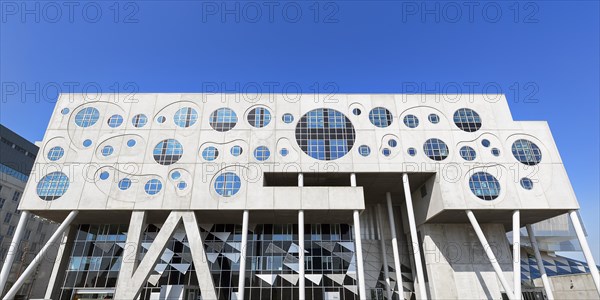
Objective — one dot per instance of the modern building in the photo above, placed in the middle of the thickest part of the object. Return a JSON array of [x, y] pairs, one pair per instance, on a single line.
[[17, 156], [169, 196]]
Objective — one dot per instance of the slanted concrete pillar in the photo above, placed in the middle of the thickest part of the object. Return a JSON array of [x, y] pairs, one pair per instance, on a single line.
[[540, 263], [585, 248], [386, 273], [12, 250], [516, 239], [242, 277], [414, 237]]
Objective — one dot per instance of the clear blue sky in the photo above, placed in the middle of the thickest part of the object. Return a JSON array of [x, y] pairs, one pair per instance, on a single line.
[[547, 51]]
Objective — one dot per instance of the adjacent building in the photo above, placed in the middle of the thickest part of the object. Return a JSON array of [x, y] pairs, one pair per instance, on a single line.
[[354, 196]]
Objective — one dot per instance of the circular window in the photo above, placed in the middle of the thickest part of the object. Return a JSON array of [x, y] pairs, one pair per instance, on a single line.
[[325, 134], [87, 143], [227, 184], [392, 143], [380, 117], [153, 186], [433, 118], [467, 120], [526, 183], [287, 118], [364, 150], [412, 151], [223, 119], [52, 186], [262, 153], [124, 183], [486, 143], [104, 175], [259, 117], [411, 121], [167, 152], [386, 152], [435, 149], [107, 150], [467, 153], [175, 175], [284, 152], [356, 111], [139, 121], [115, 121], [185, 117], [496, 151], [64, 111], [87, 117], [161, 119], [181, 185], [236, 150], [56, 153], [210, 153], [484, 185], [527, 152], [131, 143]]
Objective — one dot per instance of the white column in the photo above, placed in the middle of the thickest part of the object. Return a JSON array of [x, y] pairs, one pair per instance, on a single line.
[[516, 239], [395, 251], [40, 256], [242, 277], [353, 179], [490, 254], [585, 248], [13, 248], [362, 291], [302, 286], [386, 273], [413, 236], [540, 263]]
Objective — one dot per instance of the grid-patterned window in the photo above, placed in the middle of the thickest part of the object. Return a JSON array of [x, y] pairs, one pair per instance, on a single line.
[[527, 152], [435, 149], [325, 134], [386, 152], [87, 117], [10, 231], [411, 121], [227, 184], [236, 150], [107, 150], [210, 153], [259, 117], [185, 117], [287, 118], [7, 217], [139, 120], [168, 152], [433, 118], [56, 153], [115, 121], [380, 117], [467, 153], [364, 150], [484, 185], [467, 120], [124, 183], [52, 186], [223, 119], [16, 195], [2, 200], [27, 234], [392, 143], [526, 183], [153, 186], [262, 153]]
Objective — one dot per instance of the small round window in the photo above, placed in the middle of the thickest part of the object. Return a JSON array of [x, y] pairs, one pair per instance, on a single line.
[[433, 118], [467, 153], [107, 150], [486, 143], [262, 153], [236, 150], [467, 120], [392, 143], [115, 121], [356, 111], [386, 152], [435, 149], [124, 184], [364, 150], [131, 143], [104, 175], [259, 117], [139, 121], [210, 153], [411, 121], [526, 183], [227, 184], [185, 117], [52, 186], [64, 111], [412, 151], [496, 151], [87, 117], [153, 186], [161, 119], [484, 185], [380, 117], [527, 152], [223, 119], [284, 151], [87, 143], [56, 153], [287, 118], [167, 152]]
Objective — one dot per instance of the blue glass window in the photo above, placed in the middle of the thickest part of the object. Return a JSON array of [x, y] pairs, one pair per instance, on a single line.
[[175, 175], [315, 119], [181, 185], [356, 111], [107, 150], [262, 153], [336, 119], [467, 120], [411, 121], [433, 118], [52, 186], [287, 118], [185, 117], [496, 151], [87, 143], [486, 143], [56, 153], [64, 111], [325, 134], [364, 150], [87, 117], [338, 148], [210, 153], [227, 184], [161, 119], [283, 151], [380, 117], [153, 186], [223, 119], [167, 152], [115, 121], [412, 151], [316, 149], [435, 149], [104, 175], [386, 152], [467, 153], [526, 183], [236, 150], [259, 117], [527, 152], [139, 120], [484, 185], [131, 143], [124, 183], [392, 143]]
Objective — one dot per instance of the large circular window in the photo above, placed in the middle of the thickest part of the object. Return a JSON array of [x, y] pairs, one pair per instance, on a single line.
[[168, 152], [185, 117], [53, 186], [153, 186], [380, 117], [467, 120], [56, 153], [325, 134], [411, 121], [484, 185], [262, 153], [87, 117], [210, 153], [223, 119], [259, 117], [527, 152], [227, 184], [435, 149]]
